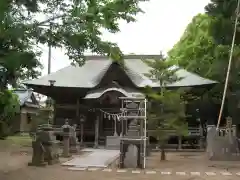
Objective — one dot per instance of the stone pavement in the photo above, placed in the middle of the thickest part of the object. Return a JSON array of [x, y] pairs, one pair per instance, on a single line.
[[156, 172], [95, 158]]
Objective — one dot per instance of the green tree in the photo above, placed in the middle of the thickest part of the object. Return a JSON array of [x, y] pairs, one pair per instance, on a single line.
[[222, 29], [75, 25], [166, 116], [224, 13], [203, 52], [9, 106]]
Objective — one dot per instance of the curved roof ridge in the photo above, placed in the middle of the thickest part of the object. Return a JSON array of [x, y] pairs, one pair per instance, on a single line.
[[97, 93]]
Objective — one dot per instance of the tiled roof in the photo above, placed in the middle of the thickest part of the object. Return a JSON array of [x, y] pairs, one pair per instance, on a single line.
[[24, 96], [91, 73]]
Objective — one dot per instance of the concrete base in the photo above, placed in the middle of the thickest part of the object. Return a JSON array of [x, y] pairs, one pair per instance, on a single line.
[[113, 142], [100, 158]]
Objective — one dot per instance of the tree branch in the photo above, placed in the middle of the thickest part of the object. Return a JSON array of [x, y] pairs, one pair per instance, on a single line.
[[50, 19]]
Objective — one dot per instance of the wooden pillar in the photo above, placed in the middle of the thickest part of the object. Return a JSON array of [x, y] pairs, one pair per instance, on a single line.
[[179, 142], [96, 132], [201, 143], [54, 113], [101, 124], [77, 111], [82, 130]]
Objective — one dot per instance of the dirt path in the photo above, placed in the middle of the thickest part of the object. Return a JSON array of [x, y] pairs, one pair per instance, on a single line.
[[13, 166], [59, 173]]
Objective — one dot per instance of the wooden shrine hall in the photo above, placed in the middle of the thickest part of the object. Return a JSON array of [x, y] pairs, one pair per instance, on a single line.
[[89, 95]]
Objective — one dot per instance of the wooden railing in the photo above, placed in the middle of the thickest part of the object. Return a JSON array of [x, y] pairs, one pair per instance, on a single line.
[[192, 131]]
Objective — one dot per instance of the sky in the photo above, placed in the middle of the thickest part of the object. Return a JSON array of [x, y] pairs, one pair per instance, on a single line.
[[158, 29]]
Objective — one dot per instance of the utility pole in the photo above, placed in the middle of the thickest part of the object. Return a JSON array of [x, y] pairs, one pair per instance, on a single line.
[[49, 51]]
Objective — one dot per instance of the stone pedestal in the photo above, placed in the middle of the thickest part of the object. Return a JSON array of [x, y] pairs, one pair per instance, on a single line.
[[38, 155], [66, 147], [66, 141], [51, 154], [96, 132]]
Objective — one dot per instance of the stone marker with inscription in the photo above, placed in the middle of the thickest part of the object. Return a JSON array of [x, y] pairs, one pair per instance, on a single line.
[[130, 160]]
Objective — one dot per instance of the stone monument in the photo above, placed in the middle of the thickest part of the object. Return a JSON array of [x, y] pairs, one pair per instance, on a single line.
[[132, 147], [133, 142], [130, 160]]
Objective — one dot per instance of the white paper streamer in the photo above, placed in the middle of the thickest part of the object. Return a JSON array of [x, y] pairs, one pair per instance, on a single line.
[[112, 116]]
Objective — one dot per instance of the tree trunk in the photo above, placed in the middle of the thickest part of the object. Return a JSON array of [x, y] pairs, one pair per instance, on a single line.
[[163, 153], [14, 84], [162, 147]]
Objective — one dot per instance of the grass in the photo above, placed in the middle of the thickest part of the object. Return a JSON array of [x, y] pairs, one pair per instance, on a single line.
[[16, 141], [20, 140]]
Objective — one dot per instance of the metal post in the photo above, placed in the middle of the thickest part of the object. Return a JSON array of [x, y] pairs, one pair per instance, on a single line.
[[126, 126], [145, 132], [49, 58], [122, 129]]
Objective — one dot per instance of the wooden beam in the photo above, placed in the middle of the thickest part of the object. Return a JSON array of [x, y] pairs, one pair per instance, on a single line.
[[70, 106]]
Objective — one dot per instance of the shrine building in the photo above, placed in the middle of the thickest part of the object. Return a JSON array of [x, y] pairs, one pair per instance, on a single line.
[[89, 95]]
